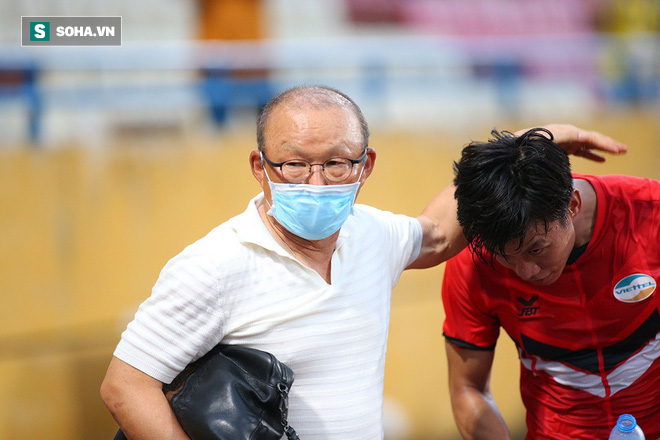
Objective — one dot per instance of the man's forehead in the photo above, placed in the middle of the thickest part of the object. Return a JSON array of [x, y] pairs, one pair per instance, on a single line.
[[335, 120], [535, 234]]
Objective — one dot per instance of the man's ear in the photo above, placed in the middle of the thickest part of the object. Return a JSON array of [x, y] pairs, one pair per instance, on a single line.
[[256, 165], [575, 205], [369, 164]]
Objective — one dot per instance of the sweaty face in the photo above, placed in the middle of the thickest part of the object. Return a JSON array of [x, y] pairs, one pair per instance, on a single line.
[[543, 256]]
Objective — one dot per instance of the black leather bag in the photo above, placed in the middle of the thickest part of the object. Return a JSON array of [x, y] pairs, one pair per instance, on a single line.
[[232, 393]]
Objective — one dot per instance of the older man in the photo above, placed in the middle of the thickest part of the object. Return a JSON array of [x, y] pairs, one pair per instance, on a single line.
[[303, 273]]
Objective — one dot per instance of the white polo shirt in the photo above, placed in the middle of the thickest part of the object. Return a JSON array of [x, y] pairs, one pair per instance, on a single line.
[[239, 286]]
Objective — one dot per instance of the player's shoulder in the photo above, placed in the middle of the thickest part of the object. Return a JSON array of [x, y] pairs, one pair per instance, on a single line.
[[620, 185], [465, 262]]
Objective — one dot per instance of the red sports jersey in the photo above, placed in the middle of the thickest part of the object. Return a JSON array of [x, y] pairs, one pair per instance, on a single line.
[[589, 343]]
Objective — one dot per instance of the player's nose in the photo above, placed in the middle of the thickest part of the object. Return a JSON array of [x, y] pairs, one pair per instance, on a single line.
[[526, 270]]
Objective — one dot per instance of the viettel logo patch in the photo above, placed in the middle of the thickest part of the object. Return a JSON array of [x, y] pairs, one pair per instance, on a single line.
[[634, 288]]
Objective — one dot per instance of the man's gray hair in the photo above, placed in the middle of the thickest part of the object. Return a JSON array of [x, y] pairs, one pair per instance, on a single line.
[[318, 97]]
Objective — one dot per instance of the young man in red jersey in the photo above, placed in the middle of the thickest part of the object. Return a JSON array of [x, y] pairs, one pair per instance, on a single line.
[[567, 265]]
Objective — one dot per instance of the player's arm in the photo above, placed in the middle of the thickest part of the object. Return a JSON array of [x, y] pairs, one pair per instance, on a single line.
[[475, 411], [137, 403]]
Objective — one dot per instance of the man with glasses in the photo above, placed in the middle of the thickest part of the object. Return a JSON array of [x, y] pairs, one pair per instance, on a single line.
[[304, 273]]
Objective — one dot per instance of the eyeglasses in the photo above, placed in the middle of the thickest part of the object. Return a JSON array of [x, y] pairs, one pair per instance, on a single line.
[[336, 169]]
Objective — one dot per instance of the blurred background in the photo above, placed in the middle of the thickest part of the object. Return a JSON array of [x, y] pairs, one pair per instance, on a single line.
[[113, 159]]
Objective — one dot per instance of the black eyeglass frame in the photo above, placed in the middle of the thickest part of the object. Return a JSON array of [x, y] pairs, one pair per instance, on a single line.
[[280, 164]]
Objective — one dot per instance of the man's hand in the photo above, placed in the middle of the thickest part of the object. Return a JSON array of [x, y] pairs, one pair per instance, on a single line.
[[583, 143]]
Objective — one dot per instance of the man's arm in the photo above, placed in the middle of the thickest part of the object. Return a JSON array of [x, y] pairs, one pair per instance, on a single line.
[[581, 142], [442, 235], [475, 411], [138, 404]]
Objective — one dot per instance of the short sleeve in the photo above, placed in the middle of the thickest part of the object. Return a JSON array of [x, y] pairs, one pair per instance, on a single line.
[[397, 237], [175, 325], [467, 322]]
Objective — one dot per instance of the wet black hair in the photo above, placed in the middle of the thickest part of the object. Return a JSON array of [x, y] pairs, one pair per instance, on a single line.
[[508, 184]]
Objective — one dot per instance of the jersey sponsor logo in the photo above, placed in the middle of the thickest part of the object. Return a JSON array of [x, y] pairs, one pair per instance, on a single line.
[[634, 288], [528, 308]]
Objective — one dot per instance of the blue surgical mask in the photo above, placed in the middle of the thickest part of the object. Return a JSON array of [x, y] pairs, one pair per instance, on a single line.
[[312, 212]]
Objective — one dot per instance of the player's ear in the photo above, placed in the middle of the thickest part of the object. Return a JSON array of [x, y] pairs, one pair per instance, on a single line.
[[575, 205]]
